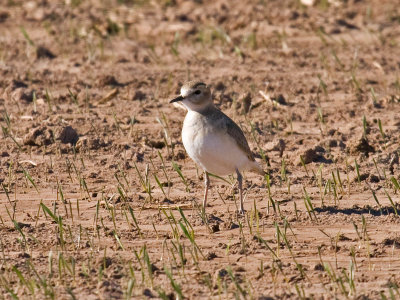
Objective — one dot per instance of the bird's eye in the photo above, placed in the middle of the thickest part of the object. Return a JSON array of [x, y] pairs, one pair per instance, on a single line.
[[197, 92]]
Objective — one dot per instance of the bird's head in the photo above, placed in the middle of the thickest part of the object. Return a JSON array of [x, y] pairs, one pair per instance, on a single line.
[[195, 96]]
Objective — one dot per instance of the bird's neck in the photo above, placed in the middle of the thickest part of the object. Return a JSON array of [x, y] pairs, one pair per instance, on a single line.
[[206, 110]]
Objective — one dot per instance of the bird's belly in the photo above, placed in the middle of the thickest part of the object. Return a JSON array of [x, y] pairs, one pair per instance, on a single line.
[[215, 152]]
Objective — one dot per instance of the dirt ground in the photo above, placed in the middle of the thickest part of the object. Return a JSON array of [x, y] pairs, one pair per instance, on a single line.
[[99, 199]]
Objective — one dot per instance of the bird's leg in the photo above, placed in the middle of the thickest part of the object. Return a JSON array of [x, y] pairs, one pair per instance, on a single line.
[[240, 180], [207, 186]]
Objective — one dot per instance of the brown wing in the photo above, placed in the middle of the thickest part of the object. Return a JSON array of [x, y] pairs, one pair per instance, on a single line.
[[237, 134]]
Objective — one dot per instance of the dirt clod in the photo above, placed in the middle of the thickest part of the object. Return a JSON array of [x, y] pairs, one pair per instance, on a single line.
[[108, 80], [180, 155], [104, 262], [363, 176], [221, 273], [309, 156], [318, 267], [24, 255], [23, 94], [211, 255], [15, 83], [361, 146], [68, 135], [3, 16], [39, 136], [90, 143], [373, 178], [276, 145], [246, 102], [139, 95], [215, 228], [111, 289], [392, 241], [148, 293], [43, 52], [280, 99], [155, 144]]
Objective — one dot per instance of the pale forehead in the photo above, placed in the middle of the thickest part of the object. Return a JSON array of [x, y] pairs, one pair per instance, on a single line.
[[191, 85]]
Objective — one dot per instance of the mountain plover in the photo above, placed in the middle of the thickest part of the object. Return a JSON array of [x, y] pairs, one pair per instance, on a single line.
[[212, 139]]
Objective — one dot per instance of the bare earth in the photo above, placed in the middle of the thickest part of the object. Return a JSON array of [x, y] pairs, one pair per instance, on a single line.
[[92, 204]]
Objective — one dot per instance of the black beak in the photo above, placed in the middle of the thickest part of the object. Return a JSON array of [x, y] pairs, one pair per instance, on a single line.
[[179, 98]]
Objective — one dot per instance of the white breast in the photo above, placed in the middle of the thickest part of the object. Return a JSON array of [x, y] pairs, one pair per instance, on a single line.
[[211, 147]]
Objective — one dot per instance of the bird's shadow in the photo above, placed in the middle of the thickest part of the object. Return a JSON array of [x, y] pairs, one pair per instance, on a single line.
[[355, 210]]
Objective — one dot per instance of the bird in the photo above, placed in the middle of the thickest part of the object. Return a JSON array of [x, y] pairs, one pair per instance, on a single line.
[[212, 139]]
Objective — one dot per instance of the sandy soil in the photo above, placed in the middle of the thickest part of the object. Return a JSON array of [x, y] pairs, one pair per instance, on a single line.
[[91, 203]]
